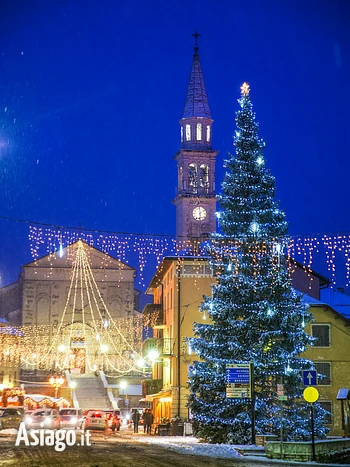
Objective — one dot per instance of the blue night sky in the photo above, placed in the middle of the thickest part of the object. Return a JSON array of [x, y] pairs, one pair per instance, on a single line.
[[91, 94]]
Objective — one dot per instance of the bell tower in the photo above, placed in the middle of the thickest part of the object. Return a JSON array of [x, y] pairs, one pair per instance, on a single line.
[[195, 200]]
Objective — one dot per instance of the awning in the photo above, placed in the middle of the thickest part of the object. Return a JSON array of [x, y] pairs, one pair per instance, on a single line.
[[343, 394], [41, 400], [158, 395]]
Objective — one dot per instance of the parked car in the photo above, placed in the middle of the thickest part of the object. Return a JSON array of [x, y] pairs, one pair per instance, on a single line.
[[95, 420], [42, 418], [113, 419], [71, 418], [10, 417]]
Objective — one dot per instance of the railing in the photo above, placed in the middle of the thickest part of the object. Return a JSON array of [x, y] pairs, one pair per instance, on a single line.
[[204, 192], [73, 395], [164, 346], [151, 386], [110, 395], [154, 315]]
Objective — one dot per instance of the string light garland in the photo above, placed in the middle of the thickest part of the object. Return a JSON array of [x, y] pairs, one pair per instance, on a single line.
[[95, 339], [324, 253]]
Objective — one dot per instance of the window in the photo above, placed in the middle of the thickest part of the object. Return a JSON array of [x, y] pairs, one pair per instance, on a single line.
[[181, 179], [190, 270], [182, 134], [199, 131], [196, 269], [327, 405], [324, 373], [322, 333], [188, 132], [192, 177], [204, 177], [208, 132]]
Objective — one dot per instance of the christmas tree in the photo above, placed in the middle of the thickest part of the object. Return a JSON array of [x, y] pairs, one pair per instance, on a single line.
[[256, 316]]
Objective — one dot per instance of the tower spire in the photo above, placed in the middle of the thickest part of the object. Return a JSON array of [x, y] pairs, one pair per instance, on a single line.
[[196, 104], [196, 35], [195, 199]]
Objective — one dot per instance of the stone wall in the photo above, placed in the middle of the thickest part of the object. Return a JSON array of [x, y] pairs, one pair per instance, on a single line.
[[302, 451]]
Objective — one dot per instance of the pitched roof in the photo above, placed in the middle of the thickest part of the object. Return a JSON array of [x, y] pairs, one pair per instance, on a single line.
[[196, 104], [313, 302], [66, 257]]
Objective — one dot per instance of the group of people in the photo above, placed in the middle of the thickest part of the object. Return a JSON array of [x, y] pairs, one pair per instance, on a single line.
[[147, 418]]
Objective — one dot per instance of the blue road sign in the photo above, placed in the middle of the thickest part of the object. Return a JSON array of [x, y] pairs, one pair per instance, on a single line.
[[238, 374], [310, 377]]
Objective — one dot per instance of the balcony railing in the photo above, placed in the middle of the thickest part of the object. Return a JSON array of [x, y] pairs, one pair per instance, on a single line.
[[153, 315], [164, 346], [151, 386]]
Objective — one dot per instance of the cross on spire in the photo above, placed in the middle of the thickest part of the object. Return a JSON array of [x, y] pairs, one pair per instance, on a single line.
[[196, 35]]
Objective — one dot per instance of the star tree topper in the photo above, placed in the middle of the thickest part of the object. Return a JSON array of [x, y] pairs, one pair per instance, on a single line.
[[245, 89]]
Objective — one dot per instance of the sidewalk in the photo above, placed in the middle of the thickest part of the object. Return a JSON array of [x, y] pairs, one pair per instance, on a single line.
[[191, 445]]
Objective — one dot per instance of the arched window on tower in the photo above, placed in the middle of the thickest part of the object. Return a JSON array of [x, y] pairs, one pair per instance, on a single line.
[[182, 134], [204, 178], [181, 179], [199, 132], [192, 177], [208, 133], [188, 132]]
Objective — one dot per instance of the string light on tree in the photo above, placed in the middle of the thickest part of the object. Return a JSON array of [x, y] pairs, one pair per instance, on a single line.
[[254, 318]]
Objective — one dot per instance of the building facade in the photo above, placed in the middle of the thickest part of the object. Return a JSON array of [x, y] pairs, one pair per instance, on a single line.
[[331, 357], [178, 288], [10, 344], [77, 311]]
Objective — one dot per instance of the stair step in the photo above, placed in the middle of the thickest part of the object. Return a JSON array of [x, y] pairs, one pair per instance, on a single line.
[[90, 392], [246, 451]]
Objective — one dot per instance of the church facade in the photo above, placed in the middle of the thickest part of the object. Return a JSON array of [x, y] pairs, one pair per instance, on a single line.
[[77, 310]]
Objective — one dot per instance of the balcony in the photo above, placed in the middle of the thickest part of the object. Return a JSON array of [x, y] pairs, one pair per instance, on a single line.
[[153, 315], [163, 346], [151, 386]]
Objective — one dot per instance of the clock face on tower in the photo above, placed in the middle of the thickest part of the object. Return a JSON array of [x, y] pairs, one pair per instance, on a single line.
[[199, 213]]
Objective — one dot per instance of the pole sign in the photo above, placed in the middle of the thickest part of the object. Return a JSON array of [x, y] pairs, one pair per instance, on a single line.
[[310, 395], [238, 381], [310, 377]]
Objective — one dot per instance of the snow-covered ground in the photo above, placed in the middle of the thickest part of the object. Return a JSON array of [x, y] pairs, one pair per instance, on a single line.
[[191, 445]]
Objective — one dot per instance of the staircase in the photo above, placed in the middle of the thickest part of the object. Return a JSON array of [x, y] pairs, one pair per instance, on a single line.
[[251, 450], [90, 392]]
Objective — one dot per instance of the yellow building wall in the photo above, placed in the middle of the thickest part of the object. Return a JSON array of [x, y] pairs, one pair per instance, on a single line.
[[192, 289], [337, 354], [186, 303]]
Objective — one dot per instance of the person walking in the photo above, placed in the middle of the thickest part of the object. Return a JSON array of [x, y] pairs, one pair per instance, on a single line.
[[136, 419], [144, 418], [150, 419]]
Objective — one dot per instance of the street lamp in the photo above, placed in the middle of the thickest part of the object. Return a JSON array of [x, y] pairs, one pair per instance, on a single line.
[[153, 355], [123, 385], [56, 382]]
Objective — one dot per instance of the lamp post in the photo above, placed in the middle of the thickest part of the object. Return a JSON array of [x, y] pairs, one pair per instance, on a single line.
[[56, 382], [123, 385], [72, 386]]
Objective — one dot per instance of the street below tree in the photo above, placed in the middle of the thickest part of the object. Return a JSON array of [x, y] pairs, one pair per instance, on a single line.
[[115, 450]]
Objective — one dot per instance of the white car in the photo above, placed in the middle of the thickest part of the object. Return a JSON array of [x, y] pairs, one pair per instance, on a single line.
[[96, 420], [71, 418], [42, 418]]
